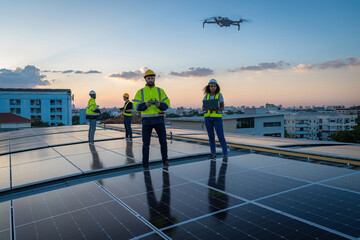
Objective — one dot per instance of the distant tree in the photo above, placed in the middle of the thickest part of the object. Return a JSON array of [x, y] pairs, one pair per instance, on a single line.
[[287, 134], [104, 116], [172, 115], [352, 136], [229, 112], [75, 120], [60, 124], [39, 123]]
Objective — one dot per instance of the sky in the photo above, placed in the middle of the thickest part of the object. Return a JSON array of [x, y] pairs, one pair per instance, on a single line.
[[288, 52]]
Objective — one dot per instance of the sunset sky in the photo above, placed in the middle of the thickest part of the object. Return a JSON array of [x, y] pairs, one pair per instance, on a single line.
[[290, 52]]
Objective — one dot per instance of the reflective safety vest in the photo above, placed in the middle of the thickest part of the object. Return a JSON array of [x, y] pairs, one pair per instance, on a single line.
[[155, 93], [125, 113], [90, 109], [213, 113]]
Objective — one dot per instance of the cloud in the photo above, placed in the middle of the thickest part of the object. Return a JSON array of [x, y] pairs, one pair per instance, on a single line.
[[261, 67], [88, 72], [194, 72], [130, 75], [339, 63], [74, 71], [27, 77]]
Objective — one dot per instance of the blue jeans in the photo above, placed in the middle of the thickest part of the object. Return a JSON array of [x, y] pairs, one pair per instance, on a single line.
[[146, 137], [92, 129], [127, 123], [211, 123]]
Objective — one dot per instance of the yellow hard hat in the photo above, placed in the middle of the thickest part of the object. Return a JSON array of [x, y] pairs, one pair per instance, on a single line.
[[126, 95], [149, 73]]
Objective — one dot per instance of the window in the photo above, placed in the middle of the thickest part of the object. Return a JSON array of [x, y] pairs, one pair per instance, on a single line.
[[272, 124], [56, 110], [35, 110], [15, 110], [272, 134], [15, 102], [36, 102], [55, 102], [35, 117], [245, 123], [56, 117]]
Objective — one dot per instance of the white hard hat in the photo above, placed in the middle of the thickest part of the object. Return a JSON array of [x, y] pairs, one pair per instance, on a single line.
[[212, 81], [92, 92]]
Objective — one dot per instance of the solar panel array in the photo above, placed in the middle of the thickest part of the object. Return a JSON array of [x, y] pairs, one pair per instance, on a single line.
[[245, 196]]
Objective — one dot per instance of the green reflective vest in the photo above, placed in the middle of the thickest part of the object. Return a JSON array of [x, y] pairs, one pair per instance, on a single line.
[[125, 113], [155, 93], [91, 107], [213, 113]]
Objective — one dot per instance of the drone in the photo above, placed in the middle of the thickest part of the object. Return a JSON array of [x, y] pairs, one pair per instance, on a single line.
[[224, 21]]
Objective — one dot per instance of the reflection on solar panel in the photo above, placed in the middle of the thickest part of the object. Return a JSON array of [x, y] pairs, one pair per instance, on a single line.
[[245, 196]]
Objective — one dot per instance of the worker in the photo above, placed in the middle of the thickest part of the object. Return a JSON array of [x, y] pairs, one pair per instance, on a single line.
[[152, 101], [127, 112], [213, 118], [92, 114]]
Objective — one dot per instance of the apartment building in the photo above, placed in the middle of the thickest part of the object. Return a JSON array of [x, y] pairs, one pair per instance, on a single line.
[[317, 126], [48, 105]]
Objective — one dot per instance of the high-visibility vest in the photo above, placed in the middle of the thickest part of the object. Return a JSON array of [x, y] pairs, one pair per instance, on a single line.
[[125, 113], [213, 113], [155, 93], [91, 107]]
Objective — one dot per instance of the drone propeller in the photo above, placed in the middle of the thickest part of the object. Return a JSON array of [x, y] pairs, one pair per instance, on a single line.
[[210, 18], [244, 20]]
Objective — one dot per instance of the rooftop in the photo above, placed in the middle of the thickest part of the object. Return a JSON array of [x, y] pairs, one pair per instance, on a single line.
[[34, 90], [53, 184], [13, 118]]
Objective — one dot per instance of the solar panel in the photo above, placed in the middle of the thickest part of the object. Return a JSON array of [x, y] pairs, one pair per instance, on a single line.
[[95, 161], [333, 208], [84, 212], [350, 182], [4, 161], [33, 156], [39, 171], [5, 220], [244, 196], [248, 222], [4, 178]]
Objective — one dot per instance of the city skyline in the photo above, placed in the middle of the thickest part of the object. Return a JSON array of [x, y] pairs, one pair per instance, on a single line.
[[289, 53]]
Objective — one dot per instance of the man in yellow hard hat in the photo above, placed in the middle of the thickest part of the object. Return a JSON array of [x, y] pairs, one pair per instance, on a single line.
[[127, 111], [92, 114], [152, 101]]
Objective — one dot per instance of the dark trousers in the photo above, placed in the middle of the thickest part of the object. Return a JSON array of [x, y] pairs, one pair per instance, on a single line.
[[146, 137], [211, 123], [92, 128], [127, 124]]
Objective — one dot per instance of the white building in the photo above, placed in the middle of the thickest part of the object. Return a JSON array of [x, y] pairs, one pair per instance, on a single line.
[[317, 126], [250, 124], [48, 105]]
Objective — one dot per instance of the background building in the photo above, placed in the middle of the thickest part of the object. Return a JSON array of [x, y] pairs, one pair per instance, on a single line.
[[251, 124], [48, 105], [317, 126]]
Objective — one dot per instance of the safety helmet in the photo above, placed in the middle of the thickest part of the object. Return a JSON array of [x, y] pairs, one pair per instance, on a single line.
[[92, 92], [149, 73], [212, 81], [126, 95]]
